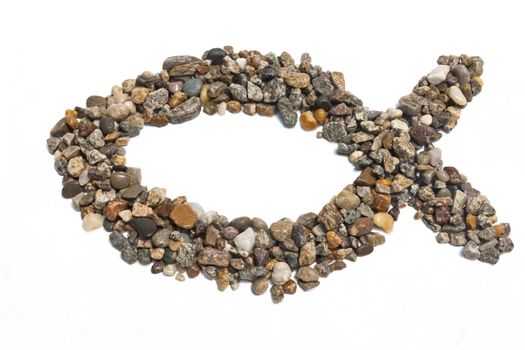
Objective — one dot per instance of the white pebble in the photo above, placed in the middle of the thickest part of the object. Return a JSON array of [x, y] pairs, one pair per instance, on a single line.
[[197, 209], [92, 221], [426, 119], [438, 74], [242, 63], [457, 96], [246, 239], [399, 124], [281, 273], [435, 157], [209, 217], [221, 108]]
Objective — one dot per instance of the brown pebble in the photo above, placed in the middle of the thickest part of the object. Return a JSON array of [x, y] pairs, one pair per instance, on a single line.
[[113, 207], [381, 202], [71, 118], [265, 110], [290, 287], [233, 106], [366, 178], [320, 116], [308, 121], [333, 240], [365, 249], [182, 215]]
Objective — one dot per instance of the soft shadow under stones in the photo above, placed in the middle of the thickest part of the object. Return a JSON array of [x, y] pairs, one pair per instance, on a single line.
[[278, 172]]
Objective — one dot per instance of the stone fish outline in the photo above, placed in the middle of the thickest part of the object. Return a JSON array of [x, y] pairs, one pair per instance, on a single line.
[[393, 149]]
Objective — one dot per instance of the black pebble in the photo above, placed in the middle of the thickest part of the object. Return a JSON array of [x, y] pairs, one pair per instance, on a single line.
[[216, 55], [145, 227]]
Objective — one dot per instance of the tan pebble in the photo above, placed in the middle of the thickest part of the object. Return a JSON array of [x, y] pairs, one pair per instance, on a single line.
[[139, 94], [180, 277], [338, 79], [249, 108], [141, 210], [384, 221], [265, 110], [204, 95], [177, 99], [223, 280], [92, 221], [320, 115], [156, 253], [119, 160], [169, 270], [71, 118], [122, 141], [308, 121], [233, 106], [184, 216], [174, 245], [333, 240]]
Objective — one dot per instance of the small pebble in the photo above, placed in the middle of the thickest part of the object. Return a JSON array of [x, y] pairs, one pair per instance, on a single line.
[[456, 95], [384, 221], [92, 221], [281, 273]]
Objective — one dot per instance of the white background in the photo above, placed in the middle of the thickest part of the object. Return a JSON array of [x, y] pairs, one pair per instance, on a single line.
[[62, 288]]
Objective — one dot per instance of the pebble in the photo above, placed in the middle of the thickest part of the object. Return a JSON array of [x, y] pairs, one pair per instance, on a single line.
[[92, 221], [161, 238], [308, 121], [277, 294], [404, 148], [76, 166], [364, 250], [281, 273], [183, 216], [330, 217], [289, 287], [471, 251], [254, 92], [216, 55], [462, 73], [71, 189], [490, 256], [120, 180], [438, 74], [129, 255], [192, 87], [214, 257], [384, 221], [117, 111], [333, 240], [286, 112], [457, 96], [425, 119], [361, 227], [245, 240], [322, 85], [297, 79], [307, 274], [347, 200], [281, 230], [157, 99], [260, 285], [334, 131], [145, 227], [307, 254], [321, 116]]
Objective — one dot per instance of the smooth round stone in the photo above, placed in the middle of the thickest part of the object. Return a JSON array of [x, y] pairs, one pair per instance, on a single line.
[[438, 74], [461, 72], [192, 87], [241, 223], [92, 221], [456, 95], [347, 200], [120, 180], [184, 216], [132, 191], [71, 189], [426, 119], [145, 227], [216, 55], [161, 239], [281, 273], [246, 239]]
